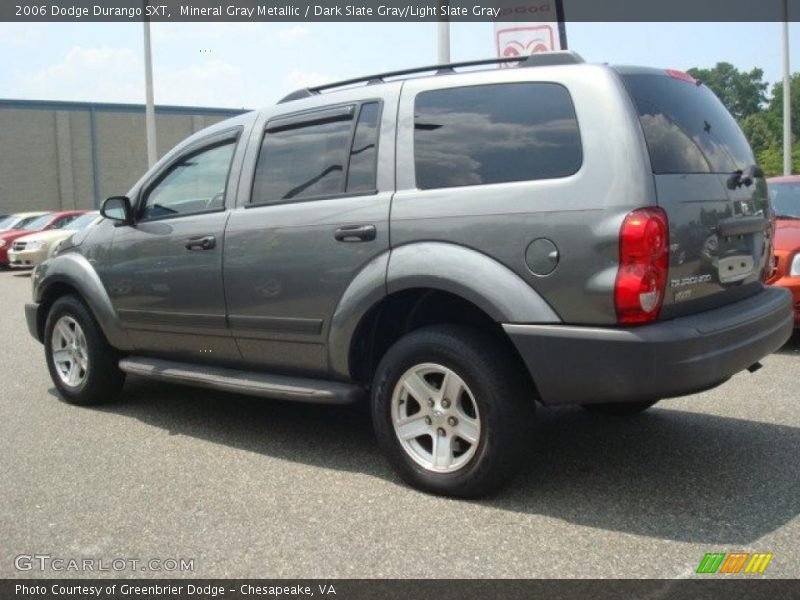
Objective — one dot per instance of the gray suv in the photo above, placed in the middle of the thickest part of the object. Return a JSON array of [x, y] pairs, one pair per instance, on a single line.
[[454, 246]]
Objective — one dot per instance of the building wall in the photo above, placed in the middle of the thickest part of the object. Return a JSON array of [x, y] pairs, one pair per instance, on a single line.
[[47, 158]]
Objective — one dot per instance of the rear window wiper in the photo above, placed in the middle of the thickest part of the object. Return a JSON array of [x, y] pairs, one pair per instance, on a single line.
[[745, 178]]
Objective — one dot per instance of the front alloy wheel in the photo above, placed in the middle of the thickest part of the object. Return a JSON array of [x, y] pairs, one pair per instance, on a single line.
[[83, 366], [70, 352]]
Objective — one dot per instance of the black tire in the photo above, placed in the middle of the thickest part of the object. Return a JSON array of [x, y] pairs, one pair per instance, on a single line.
[[103, 378], [501, 391], [620, 409]]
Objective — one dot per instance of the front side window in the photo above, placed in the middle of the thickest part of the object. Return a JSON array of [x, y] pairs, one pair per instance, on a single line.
[[494, 134], [194, 184]]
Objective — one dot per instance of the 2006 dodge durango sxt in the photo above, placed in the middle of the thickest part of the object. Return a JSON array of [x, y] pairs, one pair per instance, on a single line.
[[454, 247]]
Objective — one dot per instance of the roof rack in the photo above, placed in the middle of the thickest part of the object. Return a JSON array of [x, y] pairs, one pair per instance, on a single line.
[[540, 59]]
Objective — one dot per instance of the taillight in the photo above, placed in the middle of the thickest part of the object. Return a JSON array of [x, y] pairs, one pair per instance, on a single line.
[[643, 263]]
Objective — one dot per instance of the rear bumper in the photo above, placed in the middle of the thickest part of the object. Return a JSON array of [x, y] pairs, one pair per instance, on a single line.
[[581, 365]]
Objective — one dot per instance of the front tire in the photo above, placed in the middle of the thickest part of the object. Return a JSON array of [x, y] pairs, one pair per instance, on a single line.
[[452, 411], [82, 364]]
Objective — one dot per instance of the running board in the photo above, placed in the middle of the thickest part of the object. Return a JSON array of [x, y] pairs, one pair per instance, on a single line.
[[253, 383]]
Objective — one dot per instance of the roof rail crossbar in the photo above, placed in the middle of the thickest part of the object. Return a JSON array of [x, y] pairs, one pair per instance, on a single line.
[[561, 57]]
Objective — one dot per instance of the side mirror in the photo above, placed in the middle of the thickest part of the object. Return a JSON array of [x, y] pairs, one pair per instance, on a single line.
[[118, 209]]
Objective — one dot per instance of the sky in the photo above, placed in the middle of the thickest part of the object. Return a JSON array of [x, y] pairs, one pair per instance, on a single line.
[[250, 65]]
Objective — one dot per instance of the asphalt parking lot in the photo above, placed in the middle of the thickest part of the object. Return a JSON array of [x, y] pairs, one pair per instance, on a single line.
[[252, 488]]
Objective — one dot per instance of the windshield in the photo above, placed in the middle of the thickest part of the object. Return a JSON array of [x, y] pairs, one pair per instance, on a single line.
[[35, 224], [23, 222], [81, 222], [687, 128], [7, 222], [785, 199]]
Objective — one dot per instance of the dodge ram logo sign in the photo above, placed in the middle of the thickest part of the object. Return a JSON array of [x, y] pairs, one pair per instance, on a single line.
[[522, 38]]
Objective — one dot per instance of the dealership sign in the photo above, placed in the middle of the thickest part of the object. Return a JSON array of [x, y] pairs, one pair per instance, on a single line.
[[525, 38]]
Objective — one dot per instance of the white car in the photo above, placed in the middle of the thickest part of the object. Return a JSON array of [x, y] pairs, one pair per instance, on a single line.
[[31, 250]]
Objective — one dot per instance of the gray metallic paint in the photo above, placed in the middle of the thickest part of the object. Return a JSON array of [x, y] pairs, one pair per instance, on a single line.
[[280, 293]]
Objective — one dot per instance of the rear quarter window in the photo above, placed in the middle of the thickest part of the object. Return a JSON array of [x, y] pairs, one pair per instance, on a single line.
[[494, 134]]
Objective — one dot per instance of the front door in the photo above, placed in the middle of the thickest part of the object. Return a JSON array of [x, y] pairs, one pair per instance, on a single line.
[[164, 275]]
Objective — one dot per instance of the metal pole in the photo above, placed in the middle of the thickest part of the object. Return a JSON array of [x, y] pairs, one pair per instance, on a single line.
[[150, 109], [443, 36], [787, 95]]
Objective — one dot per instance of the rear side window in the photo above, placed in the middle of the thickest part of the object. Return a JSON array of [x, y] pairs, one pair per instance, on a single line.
[[687, 128], [318, 158], [364, 151], [494, 134]]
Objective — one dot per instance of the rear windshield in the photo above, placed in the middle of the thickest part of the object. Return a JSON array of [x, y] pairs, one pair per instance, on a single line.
[[687, 128]]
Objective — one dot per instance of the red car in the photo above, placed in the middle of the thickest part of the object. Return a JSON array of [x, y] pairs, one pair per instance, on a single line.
[[54, 220], [784, 196]]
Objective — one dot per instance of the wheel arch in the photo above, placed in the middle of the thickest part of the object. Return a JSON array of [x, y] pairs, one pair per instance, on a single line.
[[72, 273], [423, 284]]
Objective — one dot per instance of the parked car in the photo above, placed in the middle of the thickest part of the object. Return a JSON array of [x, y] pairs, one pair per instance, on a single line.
[[784, 194], [454, 247], [47, 221], [18, 220], [30, 250]]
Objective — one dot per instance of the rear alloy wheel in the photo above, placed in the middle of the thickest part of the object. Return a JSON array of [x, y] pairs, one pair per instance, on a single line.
[[619, 409], [436, 418], [83, 366], [452, 410]]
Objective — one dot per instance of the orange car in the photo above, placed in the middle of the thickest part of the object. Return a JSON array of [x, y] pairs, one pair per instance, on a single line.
[[784, 196]]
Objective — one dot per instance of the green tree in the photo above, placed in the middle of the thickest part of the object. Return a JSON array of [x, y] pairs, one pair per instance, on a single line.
[[742, 93], [759, 132], [771, 159], [775, 108]]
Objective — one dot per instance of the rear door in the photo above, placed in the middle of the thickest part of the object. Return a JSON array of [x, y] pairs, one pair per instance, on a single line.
[[718, 219], [315, 212]]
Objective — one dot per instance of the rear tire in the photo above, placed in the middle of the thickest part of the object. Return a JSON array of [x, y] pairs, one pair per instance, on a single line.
[[620, 409], [82, 364], [452, 411]]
